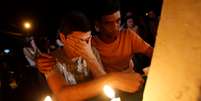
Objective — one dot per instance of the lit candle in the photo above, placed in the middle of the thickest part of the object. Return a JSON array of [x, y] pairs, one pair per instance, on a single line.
[[48, 98], [110, 93]]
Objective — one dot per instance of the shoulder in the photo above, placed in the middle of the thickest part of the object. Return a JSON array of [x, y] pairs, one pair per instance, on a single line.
[[128, 31]]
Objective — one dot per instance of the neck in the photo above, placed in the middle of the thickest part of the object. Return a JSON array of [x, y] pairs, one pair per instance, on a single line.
[[107, 39]]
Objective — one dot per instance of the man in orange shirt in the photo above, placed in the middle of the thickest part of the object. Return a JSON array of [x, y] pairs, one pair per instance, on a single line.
[[116, 47]]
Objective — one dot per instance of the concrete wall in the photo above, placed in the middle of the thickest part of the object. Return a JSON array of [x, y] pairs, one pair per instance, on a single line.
[[175, 73]]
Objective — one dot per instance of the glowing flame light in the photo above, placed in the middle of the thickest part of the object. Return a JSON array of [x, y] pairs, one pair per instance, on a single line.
[[27, 25], [6, 51], [48, 98], [109, 91]]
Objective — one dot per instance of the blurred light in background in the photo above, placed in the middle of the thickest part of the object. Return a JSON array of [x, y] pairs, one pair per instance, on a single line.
[[6, 51], [27, 25]]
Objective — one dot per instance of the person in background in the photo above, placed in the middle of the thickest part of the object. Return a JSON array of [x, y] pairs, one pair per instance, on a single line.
[[130, 22], [30, 50]]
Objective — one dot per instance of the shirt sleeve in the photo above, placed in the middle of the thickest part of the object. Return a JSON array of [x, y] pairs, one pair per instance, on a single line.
[[138, 44]]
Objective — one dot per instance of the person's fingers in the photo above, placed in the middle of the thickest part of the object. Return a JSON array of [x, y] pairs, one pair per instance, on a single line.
[[43, 55], [146, 70], [79, 44], [45, 60], [76, 47], [89, 41], [44, 71], [74, 50], [139, 77], [140, 80], [82, 45], [80, 51], [46, 65], [79, 47], [70, 45], [42, 64], [77, 41]]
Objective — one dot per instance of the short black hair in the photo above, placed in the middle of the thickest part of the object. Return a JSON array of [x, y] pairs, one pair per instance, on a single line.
[[106, 7], [74, 21]]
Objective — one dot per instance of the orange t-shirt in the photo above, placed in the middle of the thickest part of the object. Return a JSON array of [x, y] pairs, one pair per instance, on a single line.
[[116, 56]]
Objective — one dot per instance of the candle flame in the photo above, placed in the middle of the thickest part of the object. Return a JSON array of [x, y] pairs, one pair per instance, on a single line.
[[109, 91], [48, 98]]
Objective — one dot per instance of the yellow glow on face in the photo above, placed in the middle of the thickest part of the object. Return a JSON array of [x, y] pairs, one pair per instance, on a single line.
[[48, 98], [27, 25], [109, 91]]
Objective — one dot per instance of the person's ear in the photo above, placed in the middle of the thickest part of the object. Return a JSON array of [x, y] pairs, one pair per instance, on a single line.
[[62, 37]]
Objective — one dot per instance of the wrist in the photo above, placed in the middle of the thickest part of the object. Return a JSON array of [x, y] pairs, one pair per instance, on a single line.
[[111, 80]]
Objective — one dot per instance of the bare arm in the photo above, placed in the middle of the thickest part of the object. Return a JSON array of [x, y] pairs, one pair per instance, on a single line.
[[83, 91], [79, 92]]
